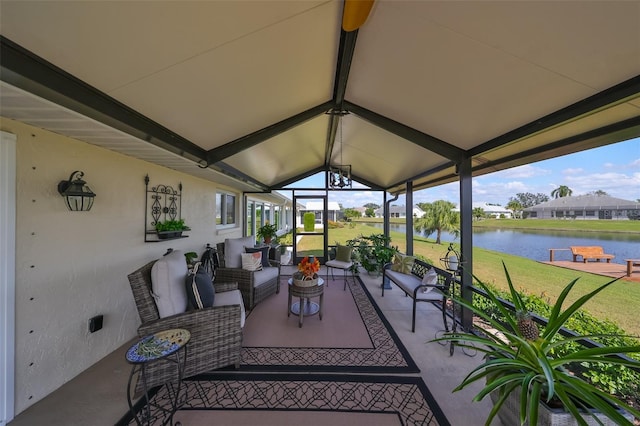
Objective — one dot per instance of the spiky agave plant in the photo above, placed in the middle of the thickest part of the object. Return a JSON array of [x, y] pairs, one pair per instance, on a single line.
[[519, 357]]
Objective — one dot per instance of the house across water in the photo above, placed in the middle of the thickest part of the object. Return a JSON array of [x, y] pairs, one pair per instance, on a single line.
[[585, 207]]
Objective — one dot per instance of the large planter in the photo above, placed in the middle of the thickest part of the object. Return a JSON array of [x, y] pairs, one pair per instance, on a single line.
[[510, 414]]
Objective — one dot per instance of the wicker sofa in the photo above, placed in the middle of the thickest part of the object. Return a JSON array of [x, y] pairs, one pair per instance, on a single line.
[[216, 332], [255, 286]]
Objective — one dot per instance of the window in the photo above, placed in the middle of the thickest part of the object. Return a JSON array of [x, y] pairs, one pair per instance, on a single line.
[[225, 209], [590, 213]]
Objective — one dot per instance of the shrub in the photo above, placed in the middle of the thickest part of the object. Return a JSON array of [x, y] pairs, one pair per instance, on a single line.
[[309, 220]]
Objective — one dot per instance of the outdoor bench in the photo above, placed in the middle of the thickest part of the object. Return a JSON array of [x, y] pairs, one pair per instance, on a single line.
[[590, 253], [413, 287]]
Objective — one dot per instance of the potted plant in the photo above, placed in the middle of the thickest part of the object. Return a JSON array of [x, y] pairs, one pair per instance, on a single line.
[[171, 228], [533, 366], [267, 232]]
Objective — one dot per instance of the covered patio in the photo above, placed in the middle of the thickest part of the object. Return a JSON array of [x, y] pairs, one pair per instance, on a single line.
[[234, 100]]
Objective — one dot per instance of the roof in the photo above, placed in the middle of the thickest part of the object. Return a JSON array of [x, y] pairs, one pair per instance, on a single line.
[[233, 91], [318, 205], [488, 208], [596, 202]]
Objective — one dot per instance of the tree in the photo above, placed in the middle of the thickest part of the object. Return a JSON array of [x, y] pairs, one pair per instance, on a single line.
[[373, 206], [439, 216], [561, 191], [527, 199], [478, 213], [598, 192], [350, 213], [370, 212], [515, 207]]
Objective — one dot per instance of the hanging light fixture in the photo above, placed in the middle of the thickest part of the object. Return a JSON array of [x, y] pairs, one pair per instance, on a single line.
[[76, 193], [340, 174]]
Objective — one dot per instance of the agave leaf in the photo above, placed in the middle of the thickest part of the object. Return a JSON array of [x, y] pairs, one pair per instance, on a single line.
[[498, 383], [502, 397], [534, 405], [568, 404], [524, 396], [506, 314], [515, 296], [552, 327], [555, 311], [608, 402], [549, 376]]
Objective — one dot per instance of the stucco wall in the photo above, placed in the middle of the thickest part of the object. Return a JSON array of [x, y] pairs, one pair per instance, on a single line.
[[71, 266]]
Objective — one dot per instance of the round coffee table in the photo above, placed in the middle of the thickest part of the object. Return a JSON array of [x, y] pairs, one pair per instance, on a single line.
[[305, 306]]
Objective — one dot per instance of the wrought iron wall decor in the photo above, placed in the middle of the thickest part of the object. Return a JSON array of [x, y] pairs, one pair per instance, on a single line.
[[163, 204]]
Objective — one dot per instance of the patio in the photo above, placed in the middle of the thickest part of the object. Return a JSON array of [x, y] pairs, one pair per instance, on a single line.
[[97, 396], [217, 98]]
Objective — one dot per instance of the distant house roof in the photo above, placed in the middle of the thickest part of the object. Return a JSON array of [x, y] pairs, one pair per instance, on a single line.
[[488, 208], [595, 202], [317, 205], [400, 209]]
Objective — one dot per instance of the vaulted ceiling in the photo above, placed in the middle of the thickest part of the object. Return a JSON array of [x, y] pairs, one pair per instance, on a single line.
[[238, 91]]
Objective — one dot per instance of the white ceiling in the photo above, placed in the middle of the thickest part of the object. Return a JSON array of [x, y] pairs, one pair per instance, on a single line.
[[504, 83]]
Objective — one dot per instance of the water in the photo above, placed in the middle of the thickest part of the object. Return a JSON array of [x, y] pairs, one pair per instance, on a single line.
[[536, 244]]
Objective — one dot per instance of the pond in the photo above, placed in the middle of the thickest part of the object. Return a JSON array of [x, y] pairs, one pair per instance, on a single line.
[[536, 244]]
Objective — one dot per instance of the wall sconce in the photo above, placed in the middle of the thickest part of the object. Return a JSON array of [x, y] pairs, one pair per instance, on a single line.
[[76, 193]]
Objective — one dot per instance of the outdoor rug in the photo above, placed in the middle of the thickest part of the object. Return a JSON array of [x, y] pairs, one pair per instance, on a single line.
[[353, 335], [294, 399]]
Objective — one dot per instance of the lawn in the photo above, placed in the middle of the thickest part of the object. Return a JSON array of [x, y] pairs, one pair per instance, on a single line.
[[627, 226], [529, 276]]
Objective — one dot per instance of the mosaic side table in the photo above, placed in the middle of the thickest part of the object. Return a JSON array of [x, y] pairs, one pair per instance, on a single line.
[[164, 346]]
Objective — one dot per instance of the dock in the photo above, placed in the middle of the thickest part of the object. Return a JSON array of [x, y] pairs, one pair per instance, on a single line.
[[613, 270]]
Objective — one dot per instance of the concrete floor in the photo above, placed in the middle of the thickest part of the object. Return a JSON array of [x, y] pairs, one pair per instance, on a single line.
[[98, 395]]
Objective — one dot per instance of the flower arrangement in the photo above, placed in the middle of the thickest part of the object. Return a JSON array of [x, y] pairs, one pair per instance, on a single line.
[[309, 267]]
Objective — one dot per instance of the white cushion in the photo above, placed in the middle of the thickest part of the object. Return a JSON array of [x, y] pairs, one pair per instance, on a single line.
[[168, 275], [264, 276], [233, 297], [338, 264], [409, 282], [252, 261], [233, 249], [430, 278]]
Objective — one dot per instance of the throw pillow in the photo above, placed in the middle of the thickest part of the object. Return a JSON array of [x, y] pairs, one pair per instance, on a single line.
[[199, 286], [343, 253], [264, 251], [402, 263], [167, 284], [233, 248], [430, 278], [252, 261]]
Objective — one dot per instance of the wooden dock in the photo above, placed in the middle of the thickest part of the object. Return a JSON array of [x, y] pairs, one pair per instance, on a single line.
[[613, 270]]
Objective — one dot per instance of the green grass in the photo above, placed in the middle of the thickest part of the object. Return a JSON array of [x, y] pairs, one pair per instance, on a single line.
[[627, 226], [616, 303]]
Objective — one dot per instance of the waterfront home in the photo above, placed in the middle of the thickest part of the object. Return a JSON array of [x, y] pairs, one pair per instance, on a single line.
[[585, 207]]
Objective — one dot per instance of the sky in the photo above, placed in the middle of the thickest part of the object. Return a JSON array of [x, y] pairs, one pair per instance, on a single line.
[[614, 169]]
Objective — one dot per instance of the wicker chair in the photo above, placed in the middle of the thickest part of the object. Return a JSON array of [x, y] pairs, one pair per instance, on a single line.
[[216, 332], [255, 286]]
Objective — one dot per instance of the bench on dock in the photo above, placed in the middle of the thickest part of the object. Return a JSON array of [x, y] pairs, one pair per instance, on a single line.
[[590, 253]]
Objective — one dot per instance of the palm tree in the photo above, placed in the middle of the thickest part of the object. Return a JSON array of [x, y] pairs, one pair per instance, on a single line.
[[561, 191], [439, 216], [478, 213], [515, 207]]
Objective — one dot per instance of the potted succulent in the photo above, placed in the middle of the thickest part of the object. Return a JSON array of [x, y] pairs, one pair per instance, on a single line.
[[533, 366], [171, 228], [267, 232]]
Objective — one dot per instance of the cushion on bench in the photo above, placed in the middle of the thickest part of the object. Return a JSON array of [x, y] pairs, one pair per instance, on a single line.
[[409, 282]]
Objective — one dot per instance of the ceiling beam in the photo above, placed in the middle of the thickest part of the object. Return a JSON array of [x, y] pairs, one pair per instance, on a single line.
[[27, 71], [612, 133], [234, 147], [346, 50], [412, 135], [616, 94]]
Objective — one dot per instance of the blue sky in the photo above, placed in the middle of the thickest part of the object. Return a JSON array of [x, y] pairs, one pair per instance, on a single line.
[[614, 169]]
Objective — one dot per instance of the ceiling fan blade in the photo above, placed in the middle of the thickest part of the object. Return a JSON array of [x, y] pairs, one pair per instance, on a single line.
[[355, 13]]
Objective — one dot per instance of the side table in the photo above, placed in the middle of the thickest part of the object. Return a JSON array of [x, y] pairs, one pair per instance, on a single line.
[[305, 306], [164, 346]]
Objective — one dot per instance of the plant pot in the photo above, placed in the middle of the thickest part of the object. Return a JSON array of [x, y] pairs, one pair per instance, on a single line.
[[165, 235], [299, 282], [510, 414]]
